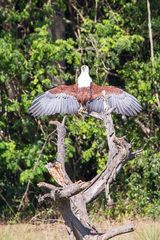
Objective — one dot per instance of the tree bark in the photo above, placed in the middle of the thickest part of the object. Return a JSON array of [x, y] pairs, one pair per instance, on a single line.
[[150, 31], [152, 50], [72, 198]]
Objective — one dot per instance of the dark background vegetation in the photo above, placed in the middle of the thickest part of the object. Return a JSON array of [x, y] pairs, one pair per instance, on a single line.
[[43, 44]]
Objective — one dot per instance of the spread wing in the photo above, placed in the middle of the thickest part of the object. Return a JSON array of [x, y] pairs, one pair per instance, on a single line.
[[122, 102], [61, 99]]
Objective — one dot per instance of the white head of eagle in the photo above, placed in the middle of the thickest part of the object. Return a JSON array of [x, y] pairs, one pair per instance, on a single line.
[[84, 79]]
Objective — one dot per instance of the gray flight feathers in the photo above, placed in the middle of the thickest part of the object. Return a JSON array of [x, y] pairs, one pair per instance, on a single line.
[[49, 104], [123, 103]]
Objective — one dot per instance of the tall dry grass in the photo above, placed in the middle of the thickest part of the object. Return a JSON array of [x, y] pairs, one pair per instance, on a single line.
[[33, 232], [145, 230]]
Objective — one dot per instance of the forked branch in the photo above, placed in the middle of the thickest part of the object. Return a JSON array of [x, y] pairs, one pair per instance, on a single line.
[[73, 197]]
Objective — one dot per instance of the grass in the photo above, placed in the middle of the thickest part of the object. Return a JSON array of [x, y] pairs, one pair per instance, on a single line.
[[151, 232], [145, 230], [33, 232]]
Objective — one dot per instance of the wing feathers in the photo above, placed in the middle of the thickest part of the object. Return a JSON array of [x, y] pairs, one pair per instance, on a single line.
[[95, 105], [63, 99], [125, 104], [122, 103], [48, 104]]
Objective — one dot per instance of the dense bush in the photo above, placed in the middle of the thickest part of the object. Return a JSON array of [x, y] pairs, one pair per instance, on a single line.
[[111, 37]]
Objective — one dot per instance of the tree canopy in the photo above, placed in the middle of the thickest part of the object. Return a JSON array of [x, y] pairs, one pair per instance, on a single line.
[[43, 44]]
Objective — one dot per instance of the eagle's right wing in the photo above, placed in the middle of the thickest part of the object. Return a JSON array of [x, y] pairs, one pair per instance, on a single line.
[[61, 99]]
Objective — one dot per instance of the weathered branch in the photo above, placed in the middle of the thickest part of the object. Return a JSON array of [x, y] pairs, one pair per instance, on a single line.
[[117, 231], [63, 192], [119, 151], [43, 198], [60, 141], [72, 189], [47, 186], [71, 198], [145, 129], [61, 131]]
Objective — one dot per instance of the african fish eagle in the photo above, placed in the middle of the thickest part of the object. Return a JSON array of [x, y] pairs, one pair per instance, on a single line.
[[84, 94]]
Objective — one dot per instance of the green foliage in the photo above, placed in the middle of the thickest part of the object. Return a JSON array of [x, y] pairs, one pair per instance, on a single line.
[[113, 41]]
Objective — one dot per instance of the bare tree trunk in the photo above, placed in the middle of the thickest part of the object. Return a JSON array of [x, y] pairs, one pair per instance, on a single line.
[[72, 198], [152, 49], [150, 31]]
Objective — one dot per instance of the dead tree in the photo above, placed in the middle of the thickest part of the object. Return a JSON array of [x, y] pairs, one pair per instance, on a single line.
[[72, 198]]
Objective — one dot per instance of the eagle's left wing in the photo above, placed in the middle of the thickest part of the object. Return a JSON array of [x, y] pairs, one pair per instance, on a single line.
[[121, 101]]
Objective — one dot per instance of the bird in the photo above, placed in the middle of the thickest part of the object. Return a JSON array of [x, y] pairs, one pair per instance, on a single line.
[[69, 99]]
